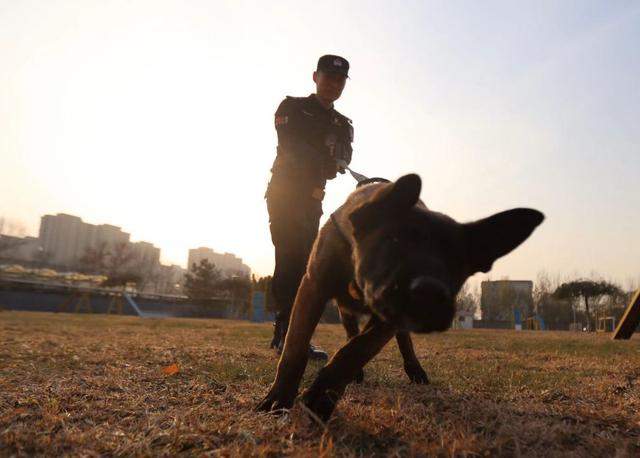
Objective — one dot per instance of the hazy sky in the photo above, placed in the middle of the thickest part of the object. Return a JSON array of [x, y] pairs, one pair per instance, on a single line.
[[157, 116]]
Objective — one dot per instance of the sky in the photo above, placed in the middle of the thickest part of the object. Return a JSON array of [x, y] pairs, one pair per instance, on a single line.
[[157, 116]]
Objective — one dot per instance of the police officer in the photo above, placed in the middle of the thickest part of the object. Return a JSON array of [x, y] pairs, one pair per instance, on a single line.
[[314, 144]]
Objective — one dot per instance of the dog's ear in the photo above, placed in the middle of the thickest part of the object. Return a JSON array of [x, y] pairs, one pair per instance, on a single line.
[[490, 238], [388, 203], [404, 193]]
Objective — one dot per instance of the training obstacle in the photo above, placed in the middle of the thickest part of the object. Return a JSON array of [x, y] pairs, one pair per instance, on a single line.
[[82, 301], [630, 319]]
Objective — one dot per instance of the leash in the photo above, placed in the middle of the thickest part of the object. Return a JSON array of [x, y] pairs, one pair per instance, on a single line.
[[362, 180]]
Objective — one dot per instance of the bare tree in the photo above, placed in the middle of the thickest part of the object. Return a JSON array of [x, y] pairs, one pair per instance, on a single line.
[[119, 259], [466, 300], [11, 227], [94, 259], [11, 234]]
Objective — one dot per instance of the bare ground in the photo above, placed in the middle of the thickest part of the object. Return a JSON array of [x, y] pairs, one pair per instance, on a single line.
[[94, 385]]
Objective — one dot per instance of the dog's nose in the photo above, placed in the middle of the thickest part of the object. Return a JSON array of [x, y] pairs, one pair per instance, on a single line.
[[430, 305], [427, 289]]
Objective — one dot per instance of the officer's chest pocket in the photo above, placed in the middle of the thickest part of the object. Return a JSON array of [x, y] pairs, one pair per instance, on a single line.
[[315, 127]]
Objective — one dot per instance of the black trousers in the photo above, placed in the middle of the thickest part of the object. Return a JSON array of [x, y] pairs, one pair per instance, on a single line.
[[294, 217]]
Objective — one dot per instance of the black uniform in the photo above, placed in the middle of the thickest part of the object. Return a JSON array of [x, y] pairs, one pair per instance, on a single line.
[[311, 139]]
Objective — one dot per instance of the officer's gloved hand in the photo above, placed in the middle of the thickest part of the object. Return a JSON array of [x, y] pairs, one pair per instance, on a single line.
[[341, 165], [329, 169]]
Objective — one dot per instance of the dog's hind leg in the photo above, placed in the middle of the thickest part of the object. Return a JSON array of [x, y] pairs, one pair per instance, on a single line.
[[412, 366], [308, 307], [350, 323]]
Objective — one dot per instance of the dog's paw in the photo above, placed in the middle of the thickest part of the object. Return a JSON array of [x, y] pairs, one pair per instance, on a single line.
[[275, 401], [359, 378], [416, 374], [320, 403]]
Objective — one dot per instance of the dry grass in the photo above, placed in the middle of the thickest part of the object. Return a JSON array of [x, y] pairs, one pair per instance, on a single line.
[[94, 385]]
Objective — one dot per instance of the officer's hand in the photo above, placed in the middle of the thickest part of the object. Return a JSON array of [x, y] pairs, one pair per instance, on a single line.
[[341, 164]]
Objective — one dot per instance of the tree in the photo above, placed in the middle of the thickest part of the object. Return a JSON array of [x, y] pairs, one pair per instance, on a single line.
[[14, 228], [94, 259], [466, 299], [239, 288], [264, 284], [588, 290], [119, 259], [147, 274], [8, 243], [201, 282], [556, 313], [11, 235]]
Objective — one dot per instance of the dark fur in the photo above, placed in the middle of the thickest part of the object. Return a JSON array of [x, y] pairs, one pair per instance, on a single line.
[[408, 264]]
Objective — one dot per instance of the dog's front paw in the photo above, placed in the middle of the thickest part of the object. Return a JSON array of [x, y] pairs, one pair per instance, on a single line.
[[276, 401], [416, 374], [321, 402]]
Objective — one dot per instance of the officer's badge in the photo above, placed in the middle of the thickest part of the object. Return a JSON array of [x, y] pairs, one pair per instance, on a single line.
[[281, 120]]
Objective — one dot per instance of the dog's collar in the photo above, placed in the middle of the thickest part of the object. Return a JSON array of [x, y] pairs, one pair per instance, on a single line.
[[360, 183], [354, 291], [372, 180]]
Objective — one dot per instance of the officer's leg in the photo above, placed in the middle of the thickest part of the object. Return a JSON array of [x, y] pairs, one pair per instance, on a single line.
[[301, 234], [279, 225], [294, 262], [312, 223], [293, 232], [279, 326], [284, 283], [288, 237]]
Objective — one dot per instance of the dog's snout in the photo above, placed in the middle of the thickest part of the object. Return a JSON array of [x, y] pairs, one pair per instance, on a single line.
[[431, 306], [427, 289]]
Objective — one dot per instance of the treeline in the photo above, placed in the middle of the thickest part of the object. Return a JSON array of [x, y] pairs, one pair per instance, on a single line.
[[560, 302]]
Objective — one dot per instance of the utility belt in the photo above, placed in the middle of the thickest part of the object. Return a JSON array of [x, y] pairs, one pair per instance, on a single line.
[[285, 187]]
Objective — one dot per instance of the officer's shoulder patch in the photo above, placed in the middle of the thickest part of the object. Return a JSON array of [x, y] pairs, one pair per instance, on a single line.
[[281, 120]]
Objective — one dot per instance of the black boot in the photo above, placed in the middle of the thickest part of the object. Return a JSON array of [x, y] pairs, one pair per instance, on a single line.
[[280, 332], [317, 354]]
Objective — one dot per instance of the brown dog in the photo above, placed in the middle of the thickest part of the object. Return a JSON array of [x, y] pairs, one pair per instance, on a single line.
[[384, 254]]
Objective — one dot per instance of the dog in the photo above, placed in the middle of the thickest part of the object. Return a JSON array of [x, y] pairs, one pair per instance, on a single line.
[[384, 254]]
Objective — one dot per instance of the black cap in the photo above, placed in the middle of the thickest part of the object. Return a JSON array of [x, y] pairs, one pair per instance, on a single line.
[[333, 64]]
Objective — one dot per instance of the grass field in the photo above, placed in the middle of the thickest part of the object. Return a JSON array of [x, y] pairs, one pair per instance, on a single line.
[[94, 385]]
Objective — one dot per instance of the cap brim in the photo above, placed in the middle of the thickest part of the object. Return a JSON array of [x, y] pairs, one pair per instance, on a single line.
[[333, 71]]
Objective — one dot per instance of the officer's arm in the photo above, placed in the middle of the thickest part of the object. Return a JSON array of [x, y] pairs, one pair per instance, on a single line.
[[348, 148], [345, 150], [291, 129]]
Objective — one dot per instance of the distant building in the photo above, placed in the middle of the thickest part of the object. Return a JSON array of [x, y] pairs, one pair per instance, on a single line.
[[502, 299], [146, 255], [463, 320], [170, 280], [228, 264], [65, 239]]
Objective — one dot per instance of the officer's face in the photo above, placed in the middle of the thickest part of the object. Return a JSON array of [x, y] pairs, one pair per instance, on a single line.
[[329, 86]]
